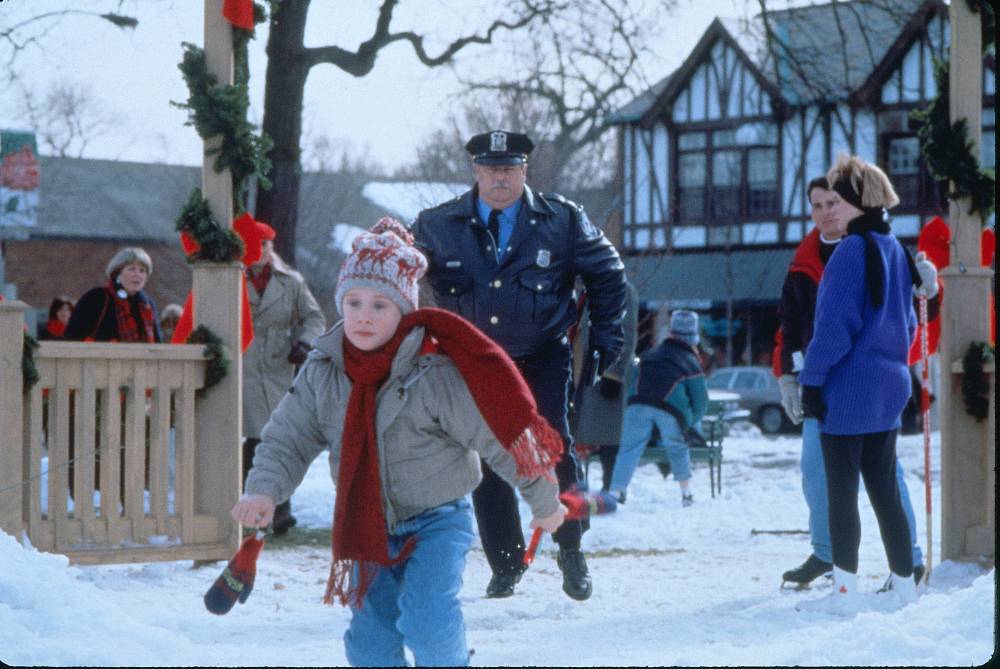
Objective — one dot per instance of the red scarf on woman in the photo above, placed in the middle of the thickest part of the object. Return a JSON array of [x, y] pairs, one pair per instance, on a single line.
[[128, 329], [56, 328], [503, 398]]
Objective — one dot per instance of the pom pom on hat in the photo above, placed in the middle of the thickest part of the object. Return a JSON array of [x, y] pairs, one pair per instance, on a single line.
[[384, 259]]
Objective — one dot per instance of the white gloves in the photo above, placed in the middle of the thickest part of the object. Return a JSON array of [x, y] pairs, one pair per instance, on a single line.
[[791, 398], [928, 276]]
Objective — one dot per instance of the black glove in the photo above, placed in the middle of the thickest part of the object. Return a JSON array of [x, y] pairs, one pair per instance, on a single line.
[[300, 350], [812, 402], [611, 389], [608, 343]]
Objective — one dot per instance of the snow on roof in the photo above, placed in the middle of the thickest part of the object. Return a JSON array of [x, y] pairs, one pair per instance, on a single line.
[[405, 199], [342, 236]]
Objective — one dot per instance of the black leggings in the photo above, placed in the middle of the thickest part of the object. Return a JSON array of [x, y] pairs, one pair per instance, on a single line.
[[874, 456]]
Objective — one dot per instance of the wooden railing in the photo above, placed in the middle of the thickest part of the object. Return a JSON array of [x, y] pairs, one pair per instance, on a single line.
[[108, 451]]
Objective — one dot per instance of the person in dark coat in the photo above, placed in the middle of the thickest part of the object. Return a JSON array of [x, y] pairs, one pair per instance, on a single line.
[[507, 258], [118, 311], [672, 397], [60, 311], [598, 410], [855, 379]]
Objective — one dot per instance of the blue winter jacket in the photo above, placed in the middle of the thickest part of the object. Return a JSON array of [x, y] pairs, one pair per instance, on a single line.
[[858, 353], [671, 378]]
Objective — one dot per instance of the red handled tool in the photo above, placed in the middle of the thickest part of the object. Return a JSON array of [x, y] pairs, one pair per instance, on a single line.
[[579, 505]]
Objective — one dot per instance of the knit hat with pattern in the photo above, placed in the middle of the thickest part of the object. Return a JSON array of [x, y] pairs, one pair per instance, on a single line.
[[384, 259], [684, 325]]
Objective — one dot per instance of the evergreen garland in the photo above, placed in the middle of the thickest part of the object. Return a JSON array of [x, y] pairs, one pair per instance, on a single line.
[[216, 243], [29, 370], [221, 110], [218, 362], [975, 384], [946, 146]]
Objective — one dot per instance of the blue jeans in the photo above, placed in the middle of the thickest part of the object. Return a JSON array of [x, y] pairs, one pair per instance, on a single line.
[[416, 604], [814, 489], [637, 428]]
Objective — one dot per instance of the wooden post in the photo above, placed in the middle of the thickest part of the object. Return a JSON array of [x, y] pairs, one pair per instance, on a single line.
[[216, 287], [967, 476], [11, 421]]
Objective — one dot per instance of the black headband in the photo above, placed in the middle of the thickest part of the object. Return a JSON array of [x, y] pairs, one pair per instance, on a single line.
[[843, 188]]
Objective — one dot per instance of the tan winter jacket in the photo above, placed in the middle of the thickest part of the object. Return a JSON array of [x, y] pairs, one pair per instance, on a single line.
[[284, 314], [430, 433]]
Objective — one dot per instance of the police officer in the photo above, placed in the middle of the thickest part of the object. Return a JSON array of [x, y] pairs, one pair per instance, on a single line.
[[506, 258]]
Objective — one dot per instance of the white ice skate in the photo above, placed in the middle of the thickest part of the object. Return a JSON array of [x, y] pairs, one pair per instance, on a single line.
[[843, 601], [902, 593]]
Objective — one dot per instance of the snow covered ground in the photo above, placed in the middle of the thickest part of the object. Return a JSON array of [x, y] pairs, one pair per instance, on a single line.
[[672, 586]]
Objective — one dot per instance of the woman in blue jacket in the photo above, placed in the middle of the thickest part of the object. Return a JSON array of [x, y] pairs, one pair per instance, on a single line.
[[856, 382]]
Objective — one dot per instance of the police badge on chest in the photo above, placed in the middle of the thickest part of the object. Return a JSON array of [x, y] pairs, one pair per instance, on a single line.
[[544, 258]]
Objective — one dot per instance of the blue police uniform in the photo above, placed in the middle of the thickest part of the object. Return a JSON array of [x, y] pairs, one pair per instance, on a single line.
[[523, 297]]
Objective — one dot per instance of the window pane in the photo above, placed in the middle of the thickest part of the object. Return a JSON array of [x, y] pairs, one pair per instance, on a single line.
[[692, 169], [988, 148], [720, 381], [745, 381], [691, 140], [757, 133], [904, 156], [691, 187], [762, 178], [904, 169], [727, 175], [724, 138], [726, 168]]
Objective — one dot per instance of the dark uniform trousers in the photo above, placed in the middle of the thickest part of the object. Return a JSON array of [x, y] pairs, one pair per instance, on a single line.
[[547, 373]]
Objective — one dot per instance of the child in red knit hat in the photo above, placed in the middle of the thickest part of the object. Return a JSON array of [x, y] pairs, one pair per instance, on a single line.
[[406, 400]]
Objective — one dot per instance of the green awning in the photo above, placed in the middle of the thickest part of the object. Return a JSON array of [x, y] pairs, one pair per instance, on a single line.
[[700, 280]]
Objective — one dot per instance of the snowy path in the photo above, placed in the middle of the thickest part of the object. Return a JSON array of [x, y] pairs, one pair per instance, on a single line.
[[672, 586]]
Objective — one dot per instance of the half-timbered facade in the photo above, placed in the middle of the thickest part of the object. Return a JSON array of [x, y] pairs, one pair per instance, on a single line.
[[715, 158]]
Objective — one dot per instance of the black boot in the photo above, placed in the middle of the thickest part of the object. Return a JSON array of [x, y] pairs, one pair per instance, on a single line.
[[807, 572], [502, 585], [576, 578]]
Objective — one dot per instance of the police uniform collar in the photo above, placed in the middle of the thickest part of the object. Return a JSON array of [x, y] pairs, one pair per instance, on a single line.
[[537, 203]]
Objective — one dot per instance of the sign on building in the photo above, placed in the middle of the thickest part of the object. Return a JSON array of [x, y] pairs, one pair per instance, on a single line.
[[19, 178]]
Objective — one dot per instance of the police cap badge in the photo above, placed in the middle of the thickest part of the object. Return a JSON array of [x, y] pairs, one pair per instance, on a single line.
[[500, 147]]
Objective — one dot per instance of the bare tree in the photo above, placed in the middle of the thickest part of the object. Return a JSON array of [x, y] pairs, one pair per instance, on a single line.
[[288, 66], [66, 118], [569, 73], [32, 30]]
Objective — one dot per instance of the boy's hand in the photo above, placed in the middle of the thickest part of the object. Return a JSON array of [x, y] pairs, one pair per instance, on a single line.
[[550, 523], [254, 510]]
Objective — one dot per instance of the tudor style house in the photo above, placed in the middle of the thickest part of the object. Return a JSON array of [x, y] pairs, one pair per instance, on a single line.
[[714, 158]]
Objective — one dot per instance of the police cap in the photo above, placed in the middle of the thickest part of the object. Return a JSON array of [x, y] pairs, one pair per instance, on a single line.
[[499, 147]]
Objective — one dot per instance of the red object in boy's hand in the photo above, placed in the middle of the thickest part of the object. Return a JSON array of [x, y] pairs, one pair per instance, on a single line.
[[236, 580], [579, 505]]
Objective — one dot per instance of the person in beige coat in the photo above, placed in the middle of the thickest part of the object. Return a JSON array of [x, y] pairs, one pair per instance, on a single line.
[[286, 319]]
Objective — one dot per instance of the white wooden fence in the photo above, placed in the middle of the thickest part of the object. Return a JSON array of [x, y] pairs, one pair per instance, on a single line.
[[99, 460]]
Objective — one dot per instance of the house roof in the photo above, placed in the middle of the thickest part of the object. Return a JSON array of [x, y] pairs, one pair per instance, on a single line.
[[638, 106], [758, 276], [798, 66], [107, 199]]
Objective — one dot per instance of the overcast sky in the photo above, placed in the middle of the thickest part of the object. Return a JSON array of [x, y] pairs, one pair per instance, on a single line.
[[133, 74]]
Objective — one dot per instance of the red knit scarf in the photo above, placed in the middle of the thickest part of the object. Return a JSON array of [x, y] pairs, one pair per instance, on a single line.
[[503, 398], [128, 329], [56, 328], [259, 277]]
